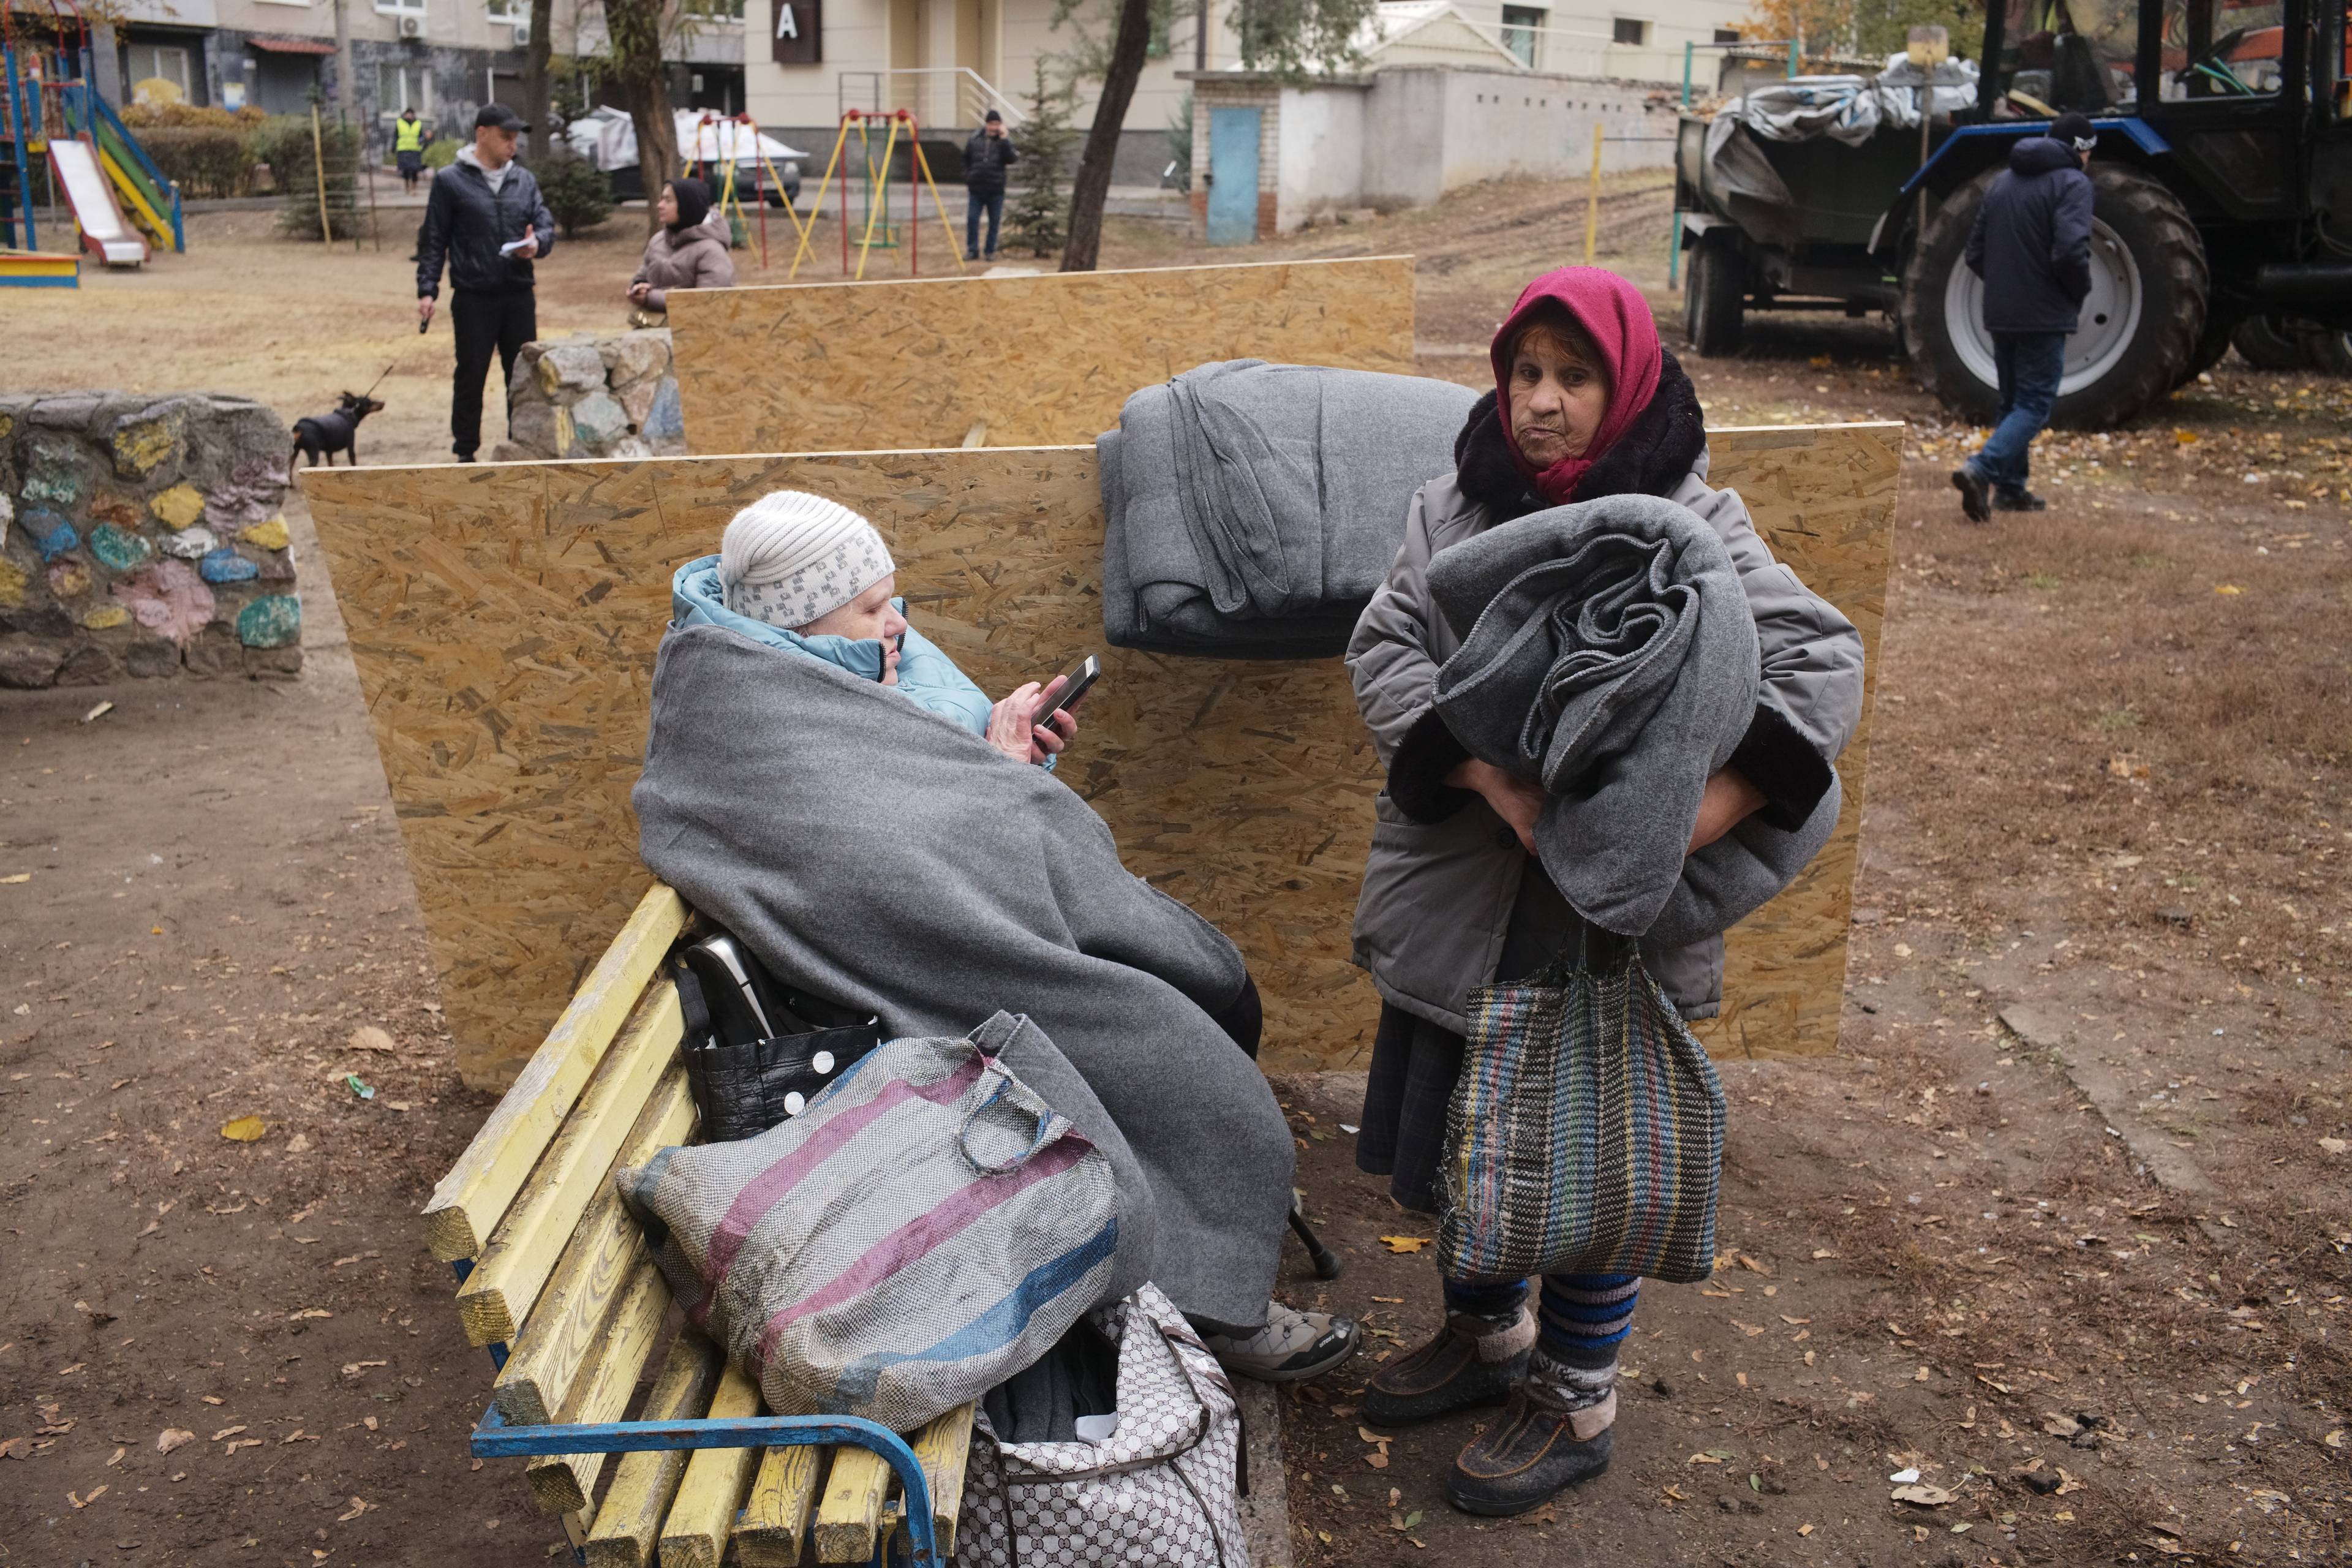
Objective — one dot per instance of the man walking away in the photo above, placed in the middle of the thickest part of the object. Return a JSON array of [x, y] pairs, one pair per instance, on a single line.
[[2032, 245], [985, 159], [408, 147], [486, 216]]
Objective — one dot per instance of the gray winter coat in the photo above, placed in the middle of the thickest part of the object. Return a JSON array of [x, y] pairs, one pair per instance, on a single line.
[[1444, 871]]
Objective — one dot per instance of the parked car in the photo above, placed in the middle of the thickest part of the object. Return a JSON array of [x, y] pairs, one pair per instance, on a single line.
[[608, 139]]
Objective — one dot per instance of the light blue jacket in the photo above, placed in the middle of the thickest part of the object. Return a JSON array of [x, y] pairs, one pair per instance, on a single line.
[[926, 675]]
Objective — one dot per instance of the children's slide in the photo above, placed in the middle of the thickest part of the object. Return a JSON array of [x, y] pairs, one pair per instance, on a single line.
[[104, 229]]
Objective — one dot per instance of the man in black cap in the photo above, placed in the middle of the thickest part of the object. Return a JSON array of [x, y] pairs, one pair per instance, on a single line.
[[985, 158], [2032, 245], [486, 216]]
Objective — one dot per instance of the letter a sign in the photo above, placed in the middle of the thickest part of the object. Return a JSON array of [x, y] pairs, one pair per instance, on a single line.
[[799, 39]]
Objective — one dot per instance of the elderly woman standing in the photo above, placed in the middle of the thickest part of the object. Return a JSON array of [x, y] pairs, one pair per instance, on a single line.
[[685, 252], [1586, 404]]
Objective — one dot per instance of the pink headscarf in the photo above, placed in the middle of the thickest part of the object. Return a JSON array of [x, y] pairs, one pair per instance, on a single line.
[[1617, 319]]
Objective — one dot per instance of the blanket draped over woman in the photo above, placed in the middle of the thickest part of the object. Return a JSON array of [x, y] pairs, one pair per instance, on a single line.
[[1454, 897], [887, 858]]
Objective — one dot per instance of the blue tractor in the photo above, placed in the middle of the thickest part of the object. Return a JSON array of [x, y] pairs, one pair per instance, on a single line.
[[2223, 181]]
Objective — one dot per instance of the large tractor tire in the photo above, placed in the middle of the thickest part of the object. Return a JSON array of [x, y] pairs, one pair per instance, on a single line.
[[2273, 342], [1715, 295], [2140, 331]]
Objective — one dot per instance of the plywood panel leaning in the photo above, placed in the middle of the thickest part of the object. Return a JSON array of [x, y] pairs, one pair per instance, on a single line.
[[1823, 498], [1048, 358], [504, 621]]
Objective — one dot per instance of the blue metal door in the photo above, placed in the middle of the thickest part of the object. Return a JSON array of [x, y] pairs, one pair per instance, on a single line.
[[1233, 175]]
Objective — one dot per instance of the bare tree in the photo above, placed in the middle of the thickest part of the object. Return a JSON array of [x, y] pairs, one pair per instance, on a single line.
[[536, 54], [635, 28], [1092, 186]]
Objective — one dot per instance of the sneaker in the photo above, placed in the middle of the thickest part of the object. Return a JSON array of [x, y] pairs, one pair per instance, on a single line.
[[1530, 1455], [1293, 1346], [1975, 497], [2019, 499], [1468, 1364]]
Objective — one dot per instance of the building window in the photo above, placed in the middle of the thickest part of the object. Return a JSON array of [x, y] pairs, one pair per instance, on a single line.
[[400, 87], [158, 73], [506, 13], [1626, 30], [1726, 35], [1519, 35], [709, 9], [400, 7]]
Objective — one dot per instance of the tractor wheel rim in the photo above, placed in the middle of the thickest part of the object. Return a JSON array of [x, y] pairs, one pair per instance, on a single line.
[[2104, 331]]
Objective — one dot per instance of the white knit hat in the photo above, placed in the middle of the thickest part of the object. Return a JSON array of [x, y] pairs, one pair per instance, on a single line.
[[789, 558]]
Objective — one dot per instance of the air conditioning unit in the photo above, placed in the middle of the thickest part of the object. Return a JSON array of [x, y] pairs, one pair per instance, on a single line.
[[412, 26], [521, 34]]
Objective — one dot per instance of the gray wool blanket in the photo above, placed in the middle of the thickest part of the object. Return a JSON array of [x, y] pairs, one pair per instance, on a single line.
[[888, 858], [1252, 509], [1608, 652]]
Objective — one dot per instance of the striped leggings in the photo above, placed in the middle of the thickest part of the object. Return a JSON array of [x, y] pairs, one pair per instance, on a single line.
[[1580, 1319]]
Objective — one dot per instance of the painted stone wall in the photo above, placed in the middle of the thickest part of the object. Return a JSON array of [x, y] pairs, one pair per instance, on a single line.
[[144, 536], [611, 395]]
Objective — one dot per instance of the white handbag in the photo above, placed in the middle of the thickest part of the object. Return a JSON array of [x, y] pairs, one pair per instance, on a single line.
[[1160, 1490]]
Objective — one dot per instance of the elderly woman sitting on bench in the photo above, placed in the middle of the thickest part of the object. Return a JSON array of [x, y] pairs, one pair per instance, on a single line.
[[794, 570], [891, 866]]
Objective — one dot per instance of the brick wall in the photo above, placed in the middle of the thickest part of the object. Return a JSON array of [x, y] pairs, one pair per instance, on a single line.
[[1265, 96]]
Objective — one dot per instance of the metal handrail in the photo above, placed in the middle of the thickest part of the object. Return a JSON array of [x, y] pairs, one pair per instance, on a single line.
[[965, 80]]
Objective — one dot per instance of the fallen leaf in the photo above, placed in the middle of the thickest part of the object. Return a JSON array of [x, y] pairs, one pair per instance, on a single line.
[[19, 876], [368, 1038], [117, 1458], [1821, 1252], [224, 1432], [1923, 1494], [1804, 1530], [244, 1130], [1404, 1243], [95, 1493], [15, 1448], [172, 1436], [359, 1505], [2060, 1425], [308, 1312], [100, 711], [2229, 588], [2334, 1145], [1702, 1459], [1378, 1461]]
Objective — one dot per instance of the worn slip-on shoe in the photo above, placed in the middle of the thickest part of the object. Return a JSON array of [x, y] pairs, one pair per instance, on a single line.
[[1460, 1369], [1530, 1455]]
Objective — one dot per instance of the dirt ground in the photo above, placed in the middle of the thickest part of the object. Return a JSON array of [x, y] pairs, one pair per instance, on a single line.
[[2062, 1226]]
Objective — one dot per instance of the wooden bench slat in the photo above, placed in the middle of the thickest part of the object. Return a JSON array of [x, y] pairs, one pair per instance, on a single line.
[[638, 1500], [469, 1201], [695, 1535], [562, 1483], [849, 1517], [525, 1247], [945, 1448], [773, 1525], [563, 1331]]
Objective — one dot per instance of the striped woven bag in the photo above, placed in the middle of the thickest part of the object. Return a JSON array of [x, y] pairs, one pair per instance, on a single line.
[[1585, 1135]]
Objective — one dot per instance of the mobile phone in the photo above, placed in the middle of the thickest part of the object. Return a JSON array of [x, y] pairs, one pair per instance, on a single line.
[[1076, 681]]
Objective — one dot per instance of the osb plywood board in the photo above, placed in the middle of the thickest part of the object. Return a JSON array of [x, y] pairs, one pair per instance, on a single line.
[[504, 620], [1823, 498], [1045, 359]]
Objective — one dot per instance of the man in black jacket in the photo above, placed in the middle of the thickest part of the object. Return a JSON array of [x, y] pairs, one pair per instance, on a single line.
[[985, 158], [485, 216], [2032, 245]]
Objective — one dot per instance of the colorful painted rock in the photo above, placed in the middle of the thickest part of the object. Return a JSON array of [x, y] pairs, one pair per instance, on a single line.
[[168, 597], [226, 565], [69, 579], [105, 617], [51, 534], [270, 535], [192, 543], [117, 549], [179, 506], [272, 622]]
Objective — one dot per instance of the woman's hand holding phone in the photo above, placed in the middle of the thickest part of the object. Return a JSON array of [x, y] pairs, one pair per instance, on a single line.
[[1012, 732]]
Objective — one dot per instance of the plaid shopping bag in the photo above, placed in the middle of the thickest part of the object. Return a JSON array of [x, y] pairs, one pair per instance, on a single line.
[[1585, 1135]]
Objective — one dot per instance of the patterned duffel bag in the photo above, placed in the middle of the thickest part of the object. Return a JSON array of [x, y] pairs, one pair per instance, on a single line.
[[1160, 1490]]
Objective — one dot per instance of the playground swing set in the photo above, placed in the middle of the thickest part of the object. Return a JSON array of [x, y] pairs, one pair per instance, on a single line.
[[53, 117], [877, 214]]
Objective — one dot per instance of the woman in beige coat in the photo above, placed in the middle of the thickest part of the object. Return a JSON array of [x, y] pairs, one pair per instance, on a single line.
[[685, 252]]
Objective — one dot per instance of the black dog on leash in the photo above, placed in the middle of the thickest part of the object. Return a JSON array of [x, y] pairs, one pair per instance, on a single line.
[[324, 435]]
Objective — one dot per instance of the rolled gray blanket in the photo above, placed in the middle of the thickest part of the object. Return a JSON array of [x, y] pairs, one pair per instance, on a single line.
[[1608, 652], [1252, 509]]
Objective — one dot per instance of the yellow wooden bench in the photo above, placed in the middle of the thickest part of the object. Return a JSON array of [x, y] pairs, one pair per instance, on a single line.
[[557, 1280]]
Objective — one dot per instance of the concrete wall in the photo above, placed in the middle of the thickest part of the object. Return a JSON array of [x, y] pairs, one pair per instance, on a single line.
[[1411, 133], [144, 536]]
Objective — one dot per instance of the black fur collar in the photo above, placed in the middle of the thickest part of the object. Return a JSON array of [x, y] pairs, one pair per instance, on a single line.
[[1651, 458]]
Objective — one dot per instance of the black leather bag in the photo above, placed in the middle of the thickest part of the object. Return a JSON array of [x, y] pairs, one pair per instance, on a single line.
[[745, 1081]]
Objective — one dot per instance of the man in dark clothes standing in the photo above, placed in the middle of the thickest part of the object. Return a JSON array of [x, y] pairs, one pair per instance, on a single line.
[[2032, 245], [486, 216], [985, 159]]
